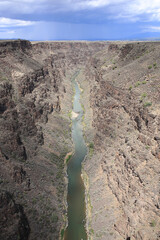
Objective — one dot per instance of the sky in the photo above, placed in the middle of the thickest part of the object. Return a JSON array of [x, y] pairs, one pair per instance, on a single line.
[[80, 19]]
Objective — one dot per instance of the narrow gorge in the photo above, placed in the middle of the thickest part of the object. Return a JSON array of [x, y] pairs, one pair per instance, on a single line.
[[76, 191], [111, 139]]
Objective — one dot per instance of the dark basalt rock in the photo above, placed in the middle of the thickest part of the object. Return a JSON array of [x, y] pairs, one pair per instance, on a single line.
[[19, 174], [11, 46], [13, 221]]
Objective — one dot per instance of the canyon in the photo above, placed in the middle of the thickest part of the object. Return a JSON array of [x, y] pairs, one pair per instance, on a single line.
[[120, 97]]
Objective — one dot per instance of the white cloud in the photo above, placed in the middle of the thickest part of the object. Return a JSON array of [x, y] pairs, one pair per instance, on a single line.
[[91, 4], [10, 32], [33, 6], [149, 9], [8, 22], [132, 10], [152, 29], [22, 6], [7, 31]]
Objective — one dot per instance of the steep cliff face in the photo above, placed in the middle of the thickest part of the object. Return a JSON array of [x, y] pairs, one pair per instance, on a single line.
[[13, 223], [124, 169], [121, 100], [35, 134]]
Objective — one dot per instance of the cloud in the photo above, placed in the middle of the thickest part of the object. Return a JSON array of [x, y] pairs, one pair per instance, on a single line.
[[33, 6], [138, 10], [93, 4], [130, 10], [8, 22], [7, 31], [148, 10], [10, 31], [152, 29], [21, 6]]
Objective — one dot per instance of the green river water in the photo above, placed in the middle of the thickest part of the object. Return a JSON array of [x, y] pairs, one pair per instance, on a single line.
[[76, 190]]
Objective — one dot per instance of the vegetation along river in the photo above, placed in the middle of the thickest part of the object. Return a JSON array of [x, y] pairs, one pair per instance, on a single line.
[[76, 190]]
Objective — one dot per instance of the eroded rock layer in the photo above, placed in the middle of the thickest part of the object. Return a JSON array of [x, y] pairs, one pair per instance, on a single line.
[[35, 132], [123, 171]]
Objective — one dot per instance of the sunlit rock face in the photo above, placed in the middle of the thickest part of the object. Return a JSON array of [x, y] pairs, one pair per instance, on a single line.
[[124, 169]]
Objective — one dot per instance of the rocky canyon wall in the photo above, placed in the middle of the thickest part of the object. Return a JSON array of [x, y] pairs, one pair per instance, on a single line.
[[121, 100], [35, 134], [123, 162]]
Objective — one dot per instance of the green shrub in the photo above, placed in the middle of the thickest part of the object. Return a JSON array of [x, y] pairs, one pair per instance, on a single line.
[[62, 234], [91, 148], [143, 95], [144, 82], [92, 231], [153, 223], [147, 104], [54, 218], [155, 65], [34, 200], [114, 67], [130, 88], [137, 84], [150, 66], [68, 158], [91, 145], [70, 114]]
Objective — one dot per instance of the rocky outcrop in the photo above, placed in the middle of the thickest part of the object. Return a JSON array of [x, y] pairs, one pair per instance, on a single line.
[[7, 47], [13, 222]]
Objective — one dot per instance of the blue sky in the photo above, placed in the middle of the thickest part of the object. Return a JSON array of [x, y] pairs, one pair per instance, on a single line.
[[80, 19]]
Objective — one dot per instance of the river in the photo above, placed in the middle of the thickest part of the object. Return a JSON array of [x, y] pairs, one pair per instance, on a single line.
[[76, 190]]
